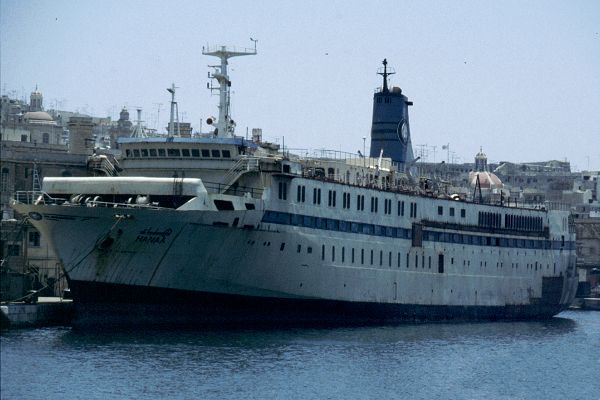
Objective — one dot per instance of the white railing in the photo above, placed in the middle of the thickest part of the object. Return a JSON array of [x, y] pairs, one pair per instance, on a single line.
[[242, 166]]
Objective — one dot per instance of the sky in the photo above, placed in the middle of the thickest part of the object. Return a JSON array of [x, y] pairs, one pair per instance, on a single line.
[[521, 79]]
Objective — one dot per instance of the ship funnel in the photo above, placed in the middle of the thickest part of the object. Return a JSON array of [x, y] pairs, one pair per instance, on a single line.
[[390, 130]]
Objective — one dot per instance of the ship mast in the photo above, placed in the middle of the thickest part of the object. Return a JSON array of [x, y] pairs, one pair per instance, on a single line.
[[225, 126], [385, 75], [174, 114]]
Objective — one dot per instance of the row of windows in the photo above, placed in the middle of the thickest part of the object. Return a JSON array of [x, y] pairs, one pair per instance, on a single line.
[[405, 233], [452, 211], [489, 220], [346, 202], [523, 223], [485, 219], [387, 258], [334, 224], [171, 152], [517, 222]]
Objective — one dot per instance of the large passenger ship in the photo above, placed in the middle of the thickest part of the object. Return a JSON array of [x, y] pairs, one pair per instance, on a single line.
[[225, 229]]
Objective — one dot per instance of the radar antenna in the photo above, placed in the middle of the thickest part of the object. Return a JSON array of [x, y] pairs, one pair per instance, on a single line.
[[385, 74]]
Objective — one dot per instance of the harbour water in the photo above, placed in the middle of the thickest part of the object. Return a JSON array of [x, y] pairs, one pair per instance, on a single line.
[[553, 359]]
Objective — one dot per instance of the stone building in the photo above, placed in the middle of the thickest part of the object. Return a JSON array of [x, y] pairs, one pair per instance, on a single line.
[[122, 129], [29, 123], [81, 138], [23, 250]]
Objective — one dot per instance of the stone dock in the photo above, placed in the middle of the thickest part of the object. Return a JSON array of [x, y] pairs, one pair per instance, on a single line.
[[46, 311]]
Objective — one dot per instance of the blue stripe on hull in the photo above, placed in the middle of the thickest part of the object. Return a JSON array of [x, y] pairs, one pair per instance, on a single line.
[[100, 304]]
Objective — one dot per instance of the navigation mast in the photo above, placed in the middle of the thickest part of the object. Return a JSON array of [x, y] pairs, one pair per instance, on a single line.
[[225, 126], [174, 114]]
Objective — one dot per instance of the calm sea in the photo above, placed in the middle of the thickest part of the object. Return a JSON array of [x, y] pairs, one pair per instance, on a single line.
[[554, 359]]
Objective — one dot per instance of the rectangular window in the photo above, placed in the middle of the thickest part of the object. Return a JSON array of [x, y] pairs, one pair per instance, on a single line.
[[299, 249], [161, 152], [331, 198], [360, 202], [452, 211], [440, 210], [388, 206], [144, 152], [34, 239], [401, 208], [353, 255], [216, 153], [374, 204], [226, 153], [185, 152], [322, 252], [282, 190], [136, 152], [441, 263], [346, 200], [362, 257], [173, 153], [205, 153], [152, 152], [195, 153], [399, 257], [343, 254], [371, 257], [463, 213]]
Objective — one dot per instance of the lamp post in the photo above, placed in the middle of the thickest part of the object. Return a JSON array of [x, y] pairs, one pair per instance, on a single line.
[[364, 150]]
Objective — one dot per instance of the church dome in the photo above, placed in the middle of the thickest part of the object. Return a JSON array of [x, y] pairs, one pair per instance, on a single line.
[[38, 118], [487, 180]]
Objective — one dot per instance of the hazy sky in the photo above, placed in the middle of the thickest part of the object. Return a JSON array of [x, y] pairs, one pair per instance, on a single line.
[[520, 78]]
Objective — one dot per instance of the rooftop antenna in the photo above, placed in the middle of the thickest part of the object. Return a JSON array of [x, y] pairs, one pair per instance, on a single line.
[[158, 105], [173, 114], [138, 129], [225, 126]]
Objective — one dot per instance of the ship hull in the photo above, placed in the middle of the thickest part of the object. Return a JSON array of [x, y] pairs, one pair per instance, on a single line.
[[112, 305], [168, 267]]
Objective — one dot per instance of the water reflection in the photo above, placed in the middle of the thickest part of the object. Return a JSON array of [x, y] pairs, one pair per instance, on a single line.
[[540, 359], [273, 337]]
